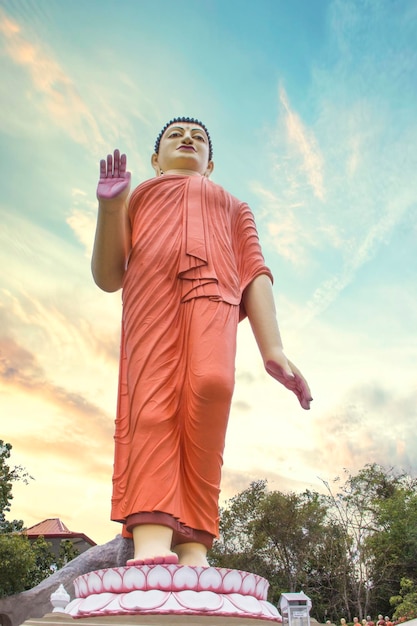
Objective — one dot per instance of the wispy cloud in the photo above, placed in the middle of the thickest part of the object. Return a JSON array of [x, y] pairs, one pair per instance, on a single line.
[[350, 157], [57, 91], [291, 204], [286, 232], [305, 143], [363, 252]]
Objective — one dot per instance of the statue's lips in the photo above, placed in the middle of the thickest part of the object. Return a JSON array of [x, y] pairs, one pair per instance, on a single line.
[[187, 148]]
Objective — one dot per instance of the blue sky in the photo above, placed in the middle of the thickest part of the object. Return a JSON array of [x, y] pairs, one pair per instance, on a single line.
[[311, 105]]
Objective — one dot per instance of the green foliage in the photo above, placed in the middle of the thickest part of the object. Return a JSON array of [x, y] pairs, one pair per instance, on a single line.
[[23, 564], [287, 539], [394, 546], [45, 564], [67, 552], [8, 476], [406, 602], [17, 562], [347, 550], [371, 508]]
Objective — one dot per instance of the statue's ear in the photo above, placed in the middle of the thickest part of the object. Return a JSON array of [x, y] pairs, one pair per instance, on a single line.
[[155, 164], [210, 168]]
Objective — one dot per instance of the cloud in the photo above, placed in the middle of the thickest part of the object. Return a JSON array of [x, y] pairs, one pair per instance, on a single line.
[[343, 184], [234, 482], [82, 219], [285, 233], [58, 94], [20, 369], [304, 142], [294, 198], [365, 250], [373, 424], [94, 451]]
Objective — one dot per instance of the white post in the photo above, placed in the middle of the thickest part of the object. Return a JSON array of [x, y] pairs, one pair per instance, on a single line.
[[59, 599]]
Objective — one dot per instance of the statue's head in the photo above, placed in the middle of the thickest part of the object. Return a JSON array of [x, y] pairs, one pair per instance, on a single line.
[[184, 144]]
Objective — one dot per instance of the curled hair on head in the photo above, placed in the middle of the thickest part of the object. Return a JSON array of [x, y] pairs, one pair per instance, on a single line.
[[189, 120]]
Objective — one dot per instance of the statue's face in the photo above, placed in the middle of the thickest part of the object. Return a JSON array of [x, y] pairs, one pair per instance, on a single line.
[[184, 146]]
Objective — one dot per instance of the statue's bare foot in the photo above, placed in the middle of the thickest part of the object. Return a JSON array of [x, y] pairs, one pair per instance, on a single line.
[[192, 554], [166, 559], [152, 545]]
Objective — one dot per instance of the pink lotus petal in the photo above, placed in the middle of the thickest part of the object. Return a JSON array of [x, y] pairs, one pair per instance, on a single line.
[[73, 607], [269, 609], [112, 580], [232, 582], [210, 579], [96, 603], [159, 577], [199, 600], [248, 585], [134, 578], [185, 578], [143, 600], [81, 587], [94, 583], [262, 587], [247, 604]]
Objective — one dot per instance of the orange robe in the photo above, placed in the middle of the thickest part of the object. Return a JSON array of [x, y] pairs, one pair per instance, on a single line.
[[194, 250]]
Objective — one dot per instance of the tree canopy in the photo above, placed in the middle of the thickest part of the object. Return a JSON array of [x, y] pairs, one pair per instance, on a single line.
[[347, 548]]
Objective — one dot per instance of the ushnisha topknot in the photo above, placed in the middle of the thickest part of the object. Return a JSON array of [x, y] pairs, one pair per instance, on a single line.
[[189, 120]]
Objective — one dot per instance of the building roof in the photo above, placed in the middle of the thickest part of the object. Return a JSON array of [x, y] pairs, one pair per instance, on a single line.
[[53, 528]]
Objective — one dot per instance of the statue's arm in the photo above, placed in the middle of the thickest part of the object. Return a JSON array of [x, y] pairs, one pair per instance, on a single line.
[[112, 241], [259, 304]]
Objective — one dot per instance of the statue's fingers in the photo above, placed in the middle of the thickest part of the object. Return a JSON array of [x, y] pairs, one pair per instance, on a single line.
[[123, 163], [109, 166], [116, 163], [302, 392], [103, 169]]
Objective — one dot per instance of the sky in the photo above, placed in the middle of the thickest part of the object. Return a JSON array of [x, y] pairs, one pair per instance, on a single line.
[[311, 106]]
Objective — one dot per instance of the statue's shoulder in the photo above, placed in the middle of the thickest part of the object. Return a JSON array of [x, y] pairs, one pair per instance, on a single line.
[[222, 193]]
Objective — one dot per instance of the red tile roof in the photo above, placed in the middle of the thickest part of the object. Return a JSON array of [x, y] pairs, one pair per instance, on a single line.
[[54, 528]]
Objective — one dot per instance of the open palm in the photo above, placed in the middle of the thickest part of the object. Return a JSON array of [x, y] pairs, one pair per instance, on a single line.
[[114, 179]]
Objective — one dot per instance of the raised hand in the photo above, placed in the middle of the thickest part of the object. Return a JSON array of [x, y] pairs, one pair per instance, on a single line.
[[114, 179]]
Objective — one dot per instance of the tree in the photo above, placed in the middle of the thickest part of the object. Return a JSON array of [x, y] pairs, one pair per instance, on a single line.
[[17, 562], [8, 476], [406, 602], [377, 510], [67, 552], [347, 550], [16, 555], [287, 539], [239, 544], [394, 545], [45, 562], [23, 565]]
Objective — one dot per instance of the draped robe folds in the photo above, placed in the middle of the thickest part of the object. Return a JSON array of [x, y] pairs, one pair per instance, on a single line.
[[194, 250]]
